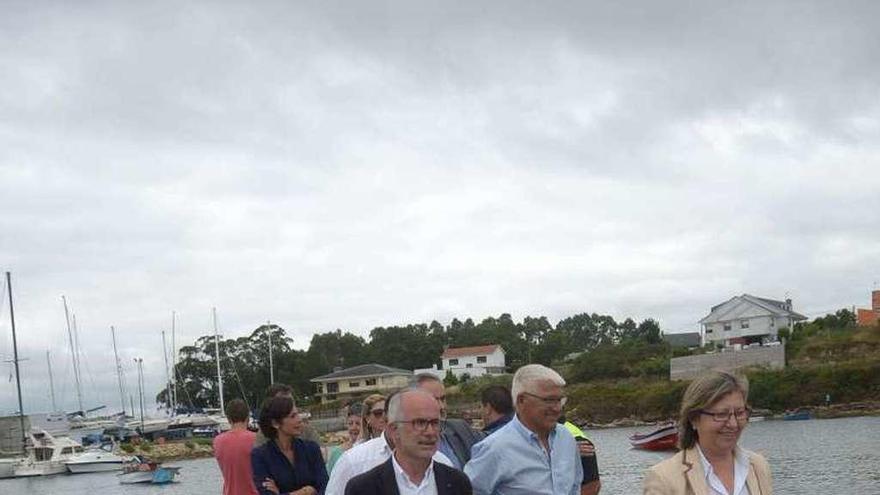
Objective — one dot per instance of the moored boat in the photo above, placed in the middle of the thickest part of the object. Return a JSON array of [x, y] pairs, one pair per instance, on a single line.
[[95, 461], [145, 471], [663, 438], [798, 415]]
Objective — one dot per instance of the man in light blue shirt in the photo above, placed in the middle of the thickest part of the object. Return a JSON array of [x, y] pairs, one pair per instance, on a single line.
[[532, 454]]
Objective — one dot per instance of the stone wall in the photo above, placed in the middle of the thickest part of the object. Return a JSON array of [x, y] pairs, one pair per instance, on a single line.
[[689, 367]]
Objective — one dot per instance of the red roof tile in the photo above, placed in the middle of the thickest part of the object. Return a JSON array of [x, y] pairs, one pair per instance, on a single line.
[[480, 350]]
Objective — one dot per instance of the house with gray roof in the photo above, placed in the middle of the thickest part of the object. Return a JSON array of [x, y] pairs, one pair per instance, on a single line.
[[358, 381], [747, 319]]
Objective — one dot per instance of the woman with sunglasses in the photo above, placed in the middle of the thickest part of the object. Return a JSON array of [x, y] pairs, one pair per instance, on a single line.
[[373, 422], [286, 464], [714, 412]]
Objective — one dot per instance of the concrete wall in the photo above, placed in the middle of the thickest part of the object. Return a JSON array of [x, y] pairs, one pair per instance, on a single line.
[[10, 434], [689, 367]]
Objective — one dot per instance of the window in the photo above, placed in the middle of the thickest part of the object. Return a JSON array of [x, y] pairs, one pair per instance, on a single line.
[[481, 359], [772, 323], [354, 384], [469, 365], [332, 388], [708, 330], [744, 323], [727, 327], [453, 362], [370, 381], [320, 388]]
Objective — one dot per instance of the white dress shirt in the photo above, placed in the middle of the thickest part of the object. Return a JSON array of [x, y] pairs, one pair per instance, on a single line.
[[360, 459], [406, 486], [740, 473]]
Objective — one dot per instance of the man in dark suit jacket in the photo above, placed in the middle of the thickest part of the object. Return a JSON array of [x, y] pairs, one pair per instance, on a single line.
[[457, 437], [414, 427]]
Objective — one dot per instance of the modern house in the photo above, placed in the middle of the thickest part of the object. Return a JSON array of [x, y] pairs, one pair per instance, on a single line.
[[746, 319], [868, 317], [472, 361], [360, 380]]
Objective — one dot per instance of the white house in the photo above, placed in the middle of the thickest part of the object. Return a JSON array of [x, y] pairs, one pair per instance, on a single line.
[[747, 319], [474, 361]]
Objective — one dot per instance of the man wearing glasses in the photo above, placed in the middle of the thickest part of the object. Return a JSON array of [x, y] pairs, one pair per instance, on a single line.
[[364, 457], [414, 427], [532, 454]]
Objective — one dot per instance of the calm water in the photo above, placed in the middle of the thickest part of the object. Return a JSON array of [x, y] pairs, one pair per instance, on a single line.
[[834, 456]]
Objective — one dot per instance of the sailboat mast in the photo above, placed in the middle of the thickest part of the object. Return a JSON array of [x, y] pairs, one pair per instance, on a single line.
[[173, 365], [217, 352], [15, 360], [51, 383], [140, 366], [167, 378], [73, 355], [119, 372], [271, 366]]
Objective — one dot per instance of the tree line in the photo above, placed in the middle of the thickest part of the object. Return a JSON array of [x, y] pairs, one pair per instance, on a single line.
[[245, 360]]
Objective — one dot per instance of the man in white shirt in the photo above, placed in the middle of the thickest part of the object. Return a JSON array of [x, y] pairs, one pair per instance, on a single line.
[[364, 457], [414, 426]]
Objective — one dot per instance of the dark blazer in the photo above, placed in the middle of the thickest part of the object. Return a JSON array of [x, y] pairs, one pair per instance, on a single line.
[[381, 481], [460, 437], [267, 461]]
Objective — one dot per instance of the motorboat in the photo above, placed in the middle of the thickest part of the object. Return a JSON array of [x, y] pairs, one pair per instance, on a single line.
[[664, 437], [798, 415], [141, 470], [95, 461], [46, 455]]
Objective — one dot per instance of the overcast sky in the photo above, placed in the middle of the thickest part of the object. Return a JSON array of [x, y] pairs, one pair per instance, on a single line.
[[347, 165]]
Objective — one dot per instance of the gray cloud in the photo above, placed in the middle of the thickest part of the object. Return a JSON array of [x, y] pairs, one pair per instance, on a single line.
[[340, 165]]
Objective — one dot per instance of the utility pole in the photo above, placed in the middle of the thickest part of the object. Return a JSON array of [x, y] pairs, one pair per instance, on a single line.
[[217, 351], [15, 360], [271, 365]]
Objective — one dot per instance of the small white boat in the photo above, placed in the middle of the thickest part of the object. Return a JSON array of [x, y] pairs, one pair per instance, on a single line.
[[143, 471], [95, 461]]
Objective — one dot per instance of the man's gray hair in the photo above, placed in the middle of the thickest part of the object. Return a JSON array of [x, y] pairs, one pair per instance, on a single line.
[[526, 377], [394, 411], [421, 378]]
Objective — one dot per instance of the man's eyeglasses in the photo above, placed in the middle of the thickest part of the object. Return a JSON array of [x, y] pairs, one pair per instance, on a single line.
[[549, 401], [377, 413], [724, 416], [422, 424]]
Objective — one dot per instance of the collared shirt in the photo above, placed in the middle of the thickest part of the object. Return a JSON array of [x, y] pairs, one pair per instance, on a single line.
[[406, 486], [497, 424], [512, 461], [740, 473], [360, 459]]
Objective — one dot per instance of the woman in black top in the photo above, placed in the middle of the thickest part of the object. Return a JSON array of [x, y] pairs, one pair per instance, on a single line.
[[286, 464]]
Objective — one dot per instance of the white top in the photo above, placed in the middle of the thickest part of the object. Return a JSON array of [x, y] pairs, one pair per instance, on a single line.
[[406, 486], [360, 459], [740, 473]]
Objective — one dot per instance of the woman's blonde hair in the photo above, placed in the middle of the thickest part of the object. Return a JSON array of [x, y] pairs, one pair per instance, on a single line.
[[367, 432], [701, 394]]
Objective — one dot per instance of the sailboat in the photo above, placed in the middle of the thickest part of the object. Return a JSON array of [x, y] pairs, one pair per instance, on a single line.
[[44, 453]]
